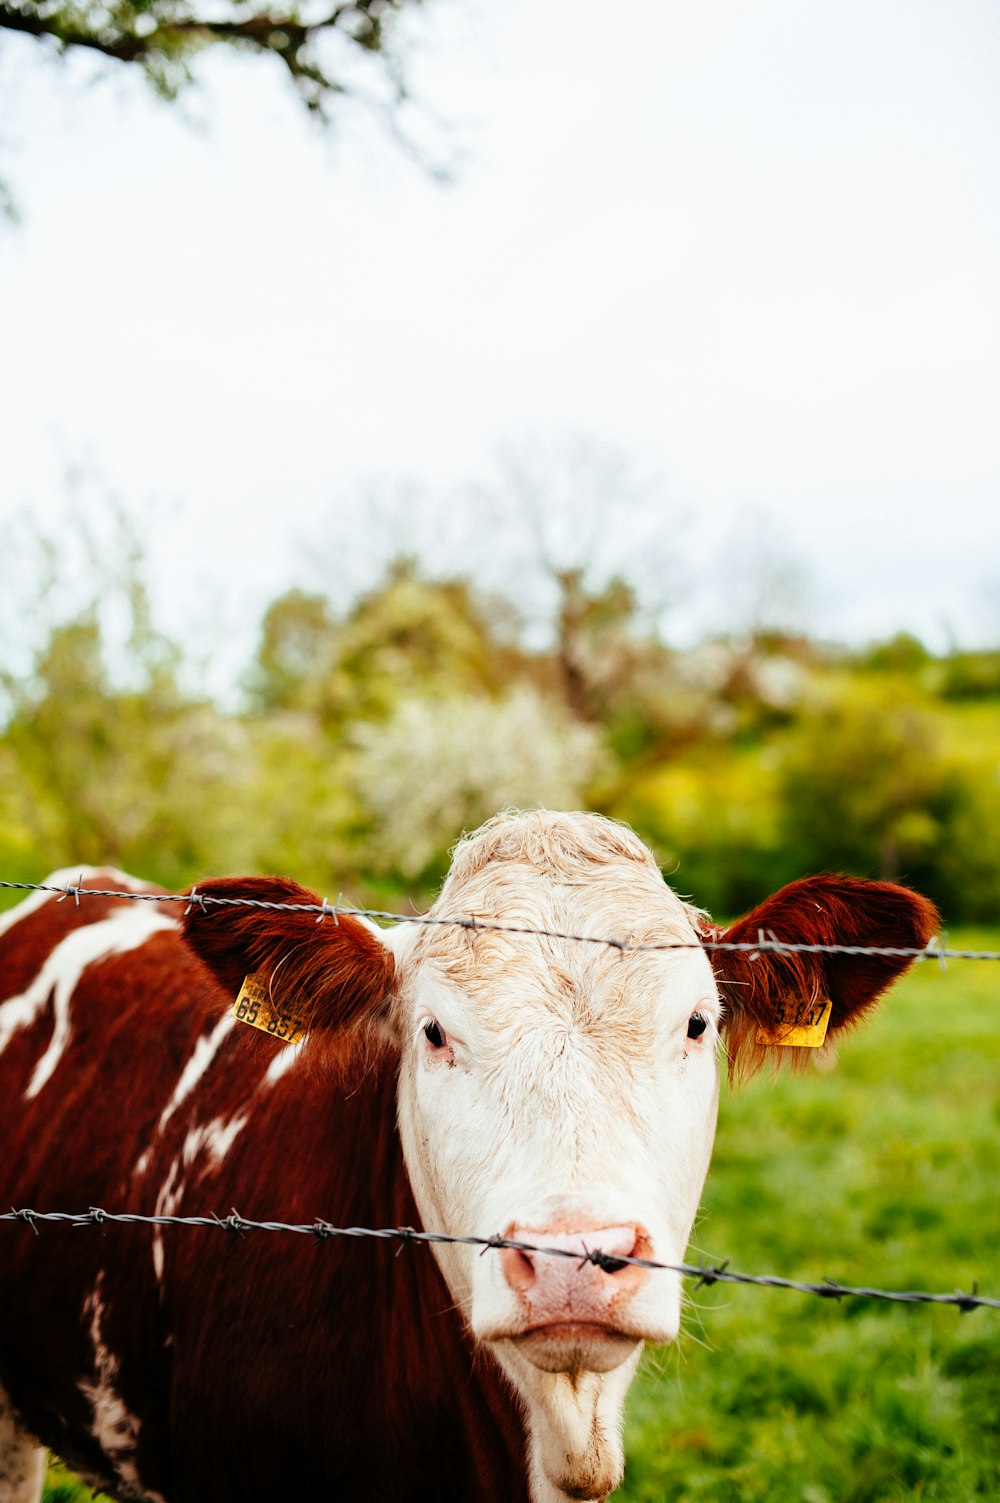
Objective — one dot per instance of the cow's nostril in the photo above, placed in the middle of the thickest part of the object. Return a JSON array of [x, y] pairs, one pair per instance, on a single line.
[[518, 1268], [525, 1263]]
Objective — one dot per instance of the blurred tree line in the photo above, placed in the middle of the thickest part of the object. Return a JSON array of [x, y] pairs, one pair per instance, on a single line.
[[365, 739]]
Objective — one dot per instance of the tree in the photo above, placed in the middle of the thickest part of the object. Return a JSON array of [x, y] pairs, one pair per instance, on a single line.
[[296, 652], [331, 50], [410, 634], [105, 755], [578, 515], [163, 38], [761, 588], [866, 787], [100, 769], [590, 559]]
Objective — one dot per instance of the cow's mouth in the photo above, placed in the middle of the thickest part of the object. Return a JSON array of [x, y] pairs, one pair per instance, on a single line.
[[568, 1346]]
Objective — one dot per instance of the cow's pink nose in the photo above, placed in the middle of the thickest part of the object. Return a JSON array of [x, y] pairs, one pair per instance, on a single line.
[[574, 1288]]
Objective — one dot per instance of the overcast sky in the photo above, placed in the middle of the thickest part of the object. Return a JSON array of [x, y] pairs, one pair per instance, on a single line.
[[755, 246]]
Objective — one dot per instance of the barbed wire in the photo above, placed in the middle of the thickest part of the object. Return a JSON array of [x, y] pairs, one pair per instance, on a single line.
[[704, 1273], [765, 943]]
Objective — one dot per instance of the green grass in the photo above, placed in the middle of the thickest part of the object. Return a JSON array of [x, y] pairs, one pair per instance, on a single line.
[[881, 1171], [884, 1172], [62, 1487]]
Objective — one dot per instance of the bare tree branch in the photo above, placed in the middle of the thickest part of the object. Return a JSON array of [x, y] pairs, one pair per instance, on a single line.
[[161, 37]]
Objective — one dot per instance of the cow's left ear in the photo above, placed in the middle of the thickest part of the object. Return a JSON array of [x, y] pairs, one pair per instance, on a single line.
[[770, 997], [327, 976]]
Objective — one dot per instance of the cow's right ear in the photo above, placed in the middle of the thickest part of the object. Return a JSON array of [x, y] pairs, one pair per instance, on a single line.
[[328, 975]]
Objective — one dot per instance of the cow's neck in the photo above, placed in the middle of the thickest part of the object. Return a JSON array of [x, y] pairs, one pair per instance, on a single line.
[[425, 1328], [571, 1426]]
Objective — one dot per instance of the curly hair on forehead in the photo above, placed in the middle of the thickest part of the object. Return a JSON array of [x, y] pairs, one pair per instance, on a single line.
[[562, 874], [559, 845]]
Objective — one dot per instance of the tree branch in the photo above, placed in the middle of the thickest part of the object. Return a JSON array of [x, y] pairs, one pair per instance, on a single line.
[[124, 36]]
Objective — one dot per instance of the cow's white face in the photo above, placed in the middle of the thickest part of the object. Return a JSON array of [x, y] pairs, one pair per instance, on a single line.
[[559, 1092]]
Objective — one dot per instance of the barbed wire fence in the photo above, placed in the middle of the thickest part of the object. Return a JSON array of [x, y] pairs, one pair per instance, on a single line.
[[766, 942], [323, 1231]]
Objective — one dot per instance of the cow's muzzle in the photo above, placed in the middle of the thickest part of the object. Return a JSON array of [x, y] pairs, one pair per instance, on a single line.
[[573, 1305]]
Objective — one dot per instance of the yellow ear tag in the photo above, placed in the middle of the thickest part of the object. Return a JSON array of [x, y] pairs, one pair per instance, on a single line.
[[256, 1006], [806, 1030]]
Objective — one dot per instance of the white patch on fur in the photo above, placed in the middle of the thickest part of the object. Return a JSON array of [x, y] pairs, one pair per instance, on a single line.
[[215, 1137], [167, 1200], [204, 1053], [126, 928], [22, 1459], [114, 1428], [286, 1059], [202, 1056], [158, 1253], [68, 876]]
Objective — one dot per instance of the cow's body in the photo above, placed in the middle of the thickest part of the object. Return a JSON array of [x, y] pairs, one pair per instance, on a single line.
[[152, 1395], [181, 1365]]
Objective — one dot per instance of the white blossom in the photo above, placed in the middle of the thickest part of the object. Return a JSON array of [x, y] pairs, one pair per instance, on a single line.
[[441, 765]]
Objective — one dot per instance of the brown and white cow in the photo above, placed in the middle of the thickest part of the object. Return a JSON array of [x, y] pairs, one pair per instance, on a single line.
[[469, 1081]]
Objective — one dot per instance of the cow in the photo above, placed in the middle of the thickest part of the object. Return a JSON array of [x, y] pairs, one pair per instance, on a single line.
[[462, 1078]]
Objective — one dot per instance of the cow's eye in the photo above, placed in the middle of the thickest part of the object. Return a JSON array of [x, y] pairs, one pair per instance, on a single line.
[[696, 1025], [435, 1035]]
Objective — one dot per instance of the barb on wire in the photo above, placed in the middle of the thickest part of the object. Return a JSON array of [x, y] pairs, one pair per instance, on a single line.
[[322, 1231], [935, 949]]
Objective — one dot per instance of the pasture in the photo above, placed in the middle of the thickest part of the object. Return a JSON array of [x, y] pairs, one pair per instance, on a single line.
[[883, 1170]]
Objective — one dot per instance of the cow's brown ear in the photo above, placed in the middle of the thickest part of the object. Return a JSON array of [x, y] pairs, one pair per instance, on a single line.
[[768, 995], [322, 976]]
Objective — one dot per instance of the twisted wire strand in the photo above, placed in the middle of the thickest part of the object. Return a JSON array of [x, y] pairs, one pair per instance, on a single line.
[[764, 944], [704, 1273]]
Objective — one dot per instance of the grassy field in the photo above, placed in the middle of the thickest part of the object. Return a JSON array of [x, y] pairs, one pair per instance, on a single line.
[[884, 1170]]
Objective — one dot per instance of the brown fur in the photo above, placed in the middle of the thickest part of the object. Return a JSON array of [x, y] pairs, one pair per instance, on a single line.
[[332, 973], [758, 987], [259, 1367]]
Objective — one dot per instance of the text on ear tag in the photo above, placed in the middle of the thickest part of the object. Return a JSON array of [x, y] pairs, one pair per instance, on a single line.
[[803, 1029], [255, 1005]]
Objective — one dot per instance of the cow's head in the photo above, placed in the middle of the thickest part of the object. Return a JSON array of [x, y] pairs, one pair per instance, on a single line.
[[564, 1094]]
